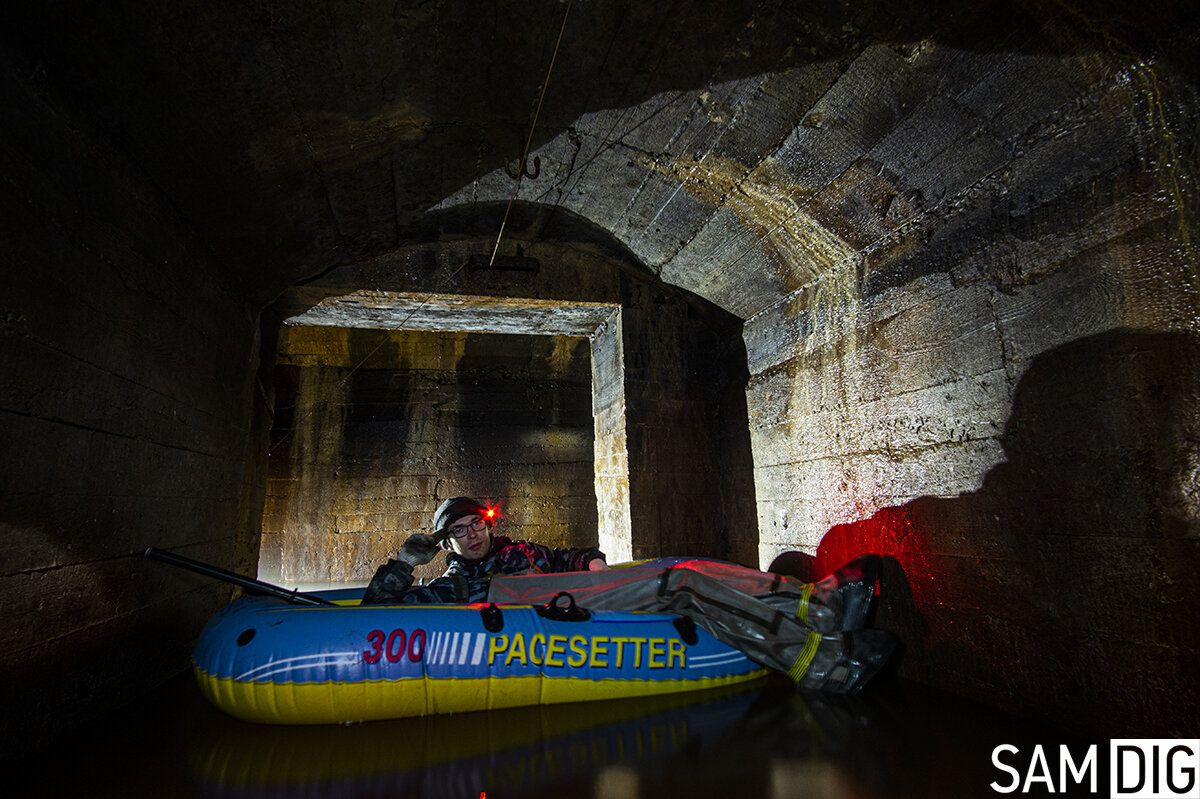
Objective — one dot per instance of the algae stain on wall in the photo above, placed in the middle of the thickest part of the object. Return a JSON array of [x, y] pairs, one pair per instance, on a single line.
[[765, 200], [311, 498]]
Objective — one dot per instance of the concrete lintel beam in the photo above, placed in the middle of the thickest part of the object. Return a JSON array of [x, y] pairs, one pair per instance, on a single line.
[[443, 312]]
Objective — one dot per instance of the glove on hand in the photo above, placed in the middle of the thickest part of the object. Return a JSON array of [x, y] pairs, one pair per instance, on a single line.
[[418, 549]]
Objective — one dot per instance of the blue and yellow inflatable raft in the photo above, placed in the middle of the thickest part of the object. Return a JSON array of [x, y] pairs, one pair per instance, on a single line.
[[263, 660]]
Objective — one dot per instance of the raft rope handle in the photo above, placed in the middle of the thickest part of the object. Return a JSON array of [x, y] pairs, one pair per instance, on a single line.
[[555, 612]]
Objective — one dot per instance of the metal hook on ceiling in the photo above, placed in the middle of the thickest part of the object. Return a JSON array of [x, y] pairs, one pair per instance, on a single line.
[[522, 169]]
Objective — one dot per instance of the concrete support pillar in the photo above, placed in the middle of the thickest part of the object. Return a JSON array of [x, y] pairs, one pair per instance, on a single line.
[[612, 455]]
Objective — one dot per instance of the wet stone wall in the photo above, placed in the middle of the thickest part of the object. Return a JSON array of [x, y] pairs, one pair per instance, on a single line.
[[128, 419], [1008, 412], [374, 428]]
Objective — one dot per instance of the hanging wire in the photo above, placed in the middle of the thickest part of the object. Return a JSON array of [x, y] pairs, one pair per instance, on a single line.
[[529, 139], [429, 295], [575, 176]]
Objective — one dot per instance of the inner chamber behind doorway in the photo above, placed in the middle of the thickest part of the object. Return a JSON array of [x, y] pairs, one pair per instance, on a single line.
[[374, 427]]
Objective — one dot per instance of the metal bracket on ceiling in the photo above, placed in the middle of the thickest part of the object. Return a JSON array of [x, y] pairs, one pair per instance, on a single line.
[[505, 263]]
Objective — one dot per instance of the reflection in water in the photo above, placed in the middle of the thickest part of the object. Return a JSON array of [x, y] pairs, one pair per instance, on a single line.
[[794, 779], [616, 782], [756, 742], [505, 753]]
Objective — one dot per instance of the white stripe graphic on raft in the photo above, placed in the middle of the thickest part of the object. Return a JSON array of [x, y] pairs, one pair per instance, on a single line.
[[273, 664], [462, 653], [436, 646], [712, 661], [324, 659], [477, 655], [718, 656], [444, 646], [290, 671], [453, 646]]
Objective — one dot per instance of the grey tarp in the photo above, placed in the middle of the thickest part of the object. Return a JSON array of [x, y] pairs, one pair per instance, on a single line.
[[786, 625]]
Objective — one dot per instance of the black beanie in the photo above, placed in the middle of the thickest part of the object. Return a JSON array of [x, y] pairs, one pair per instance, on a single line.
[[454, 509]]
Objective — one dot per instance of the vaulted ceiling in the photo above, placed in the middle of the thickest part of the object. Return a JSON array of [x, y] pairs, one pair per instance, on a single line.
[[737, 149]]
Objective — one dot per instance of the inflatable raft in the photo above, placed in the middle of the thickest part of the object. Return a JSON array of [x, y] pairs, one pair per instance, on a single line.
[[263, 660]]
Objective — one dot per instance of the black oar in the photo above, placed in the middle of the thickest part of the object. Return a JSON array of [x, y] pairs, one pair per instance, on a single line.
[[257, 586]]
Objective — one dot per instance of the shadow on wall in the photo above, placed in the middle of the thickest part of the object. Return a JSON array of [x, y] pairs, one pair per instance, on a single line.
[[1066, 587]]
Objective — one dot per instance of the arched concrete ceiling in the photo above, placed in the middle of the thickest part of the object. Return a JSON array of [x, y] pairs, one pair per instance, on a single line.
[[738, 149]]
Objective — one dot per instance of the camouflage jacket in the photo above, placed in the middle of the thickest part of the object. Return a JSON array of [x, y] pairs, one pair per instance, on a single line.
[[467, 580]]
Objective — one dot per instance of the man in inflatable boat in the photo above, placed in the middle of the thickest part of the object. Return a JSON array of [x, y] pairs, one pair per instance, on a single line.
[[463, 526], [812, 632]]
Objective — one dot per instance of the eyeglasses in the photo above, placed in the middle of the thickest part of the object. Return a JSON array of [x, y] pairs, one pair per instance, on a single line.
[[462, 530]]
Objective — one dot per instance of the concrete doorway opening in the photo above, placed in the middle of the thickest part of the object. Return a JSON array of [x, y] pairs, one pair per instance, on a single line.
[[387, 402]]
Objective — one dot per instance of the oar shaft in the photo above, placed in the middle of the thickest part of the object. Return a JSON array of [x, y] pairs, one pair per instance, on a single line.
[[249, 583]]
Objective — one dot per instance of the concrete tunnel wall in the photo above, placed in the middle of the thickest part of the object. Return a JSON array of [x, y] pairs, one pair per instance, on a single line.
[[970, 330], [133, 415]]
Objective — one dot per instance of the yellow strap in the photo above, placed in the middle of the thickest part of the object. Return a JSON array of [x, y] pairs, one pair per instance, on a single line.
[[804, 659], [802, 608]]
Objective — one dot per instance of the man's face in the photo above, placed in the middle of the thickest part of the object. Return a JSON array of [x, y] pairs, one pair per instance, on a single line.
[[470, 537]]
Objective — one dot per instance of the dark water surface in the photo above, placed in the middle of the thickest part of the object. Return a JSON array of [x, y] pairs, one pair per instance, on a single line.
[[896, 740]]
